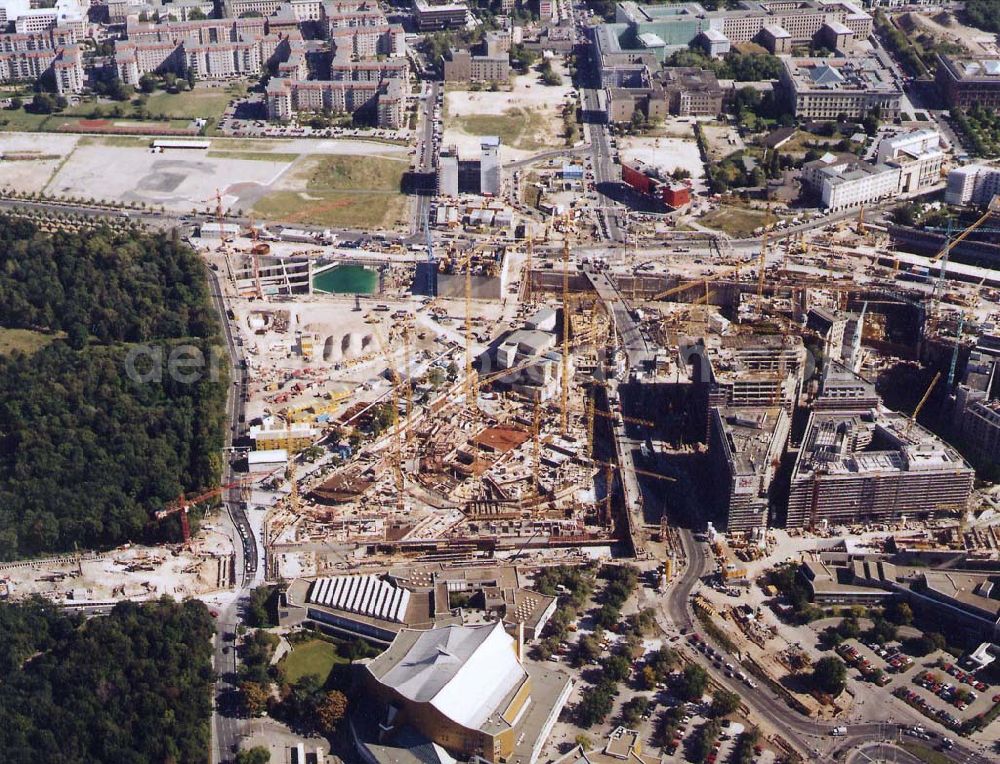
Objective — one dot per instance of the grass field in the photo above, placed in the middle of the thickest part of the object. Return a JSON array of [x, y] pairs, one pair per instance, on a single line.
[[517, 128], [208, 103], [736, 221], [22, 121], [24, 340], [347, 191], [312, 657]]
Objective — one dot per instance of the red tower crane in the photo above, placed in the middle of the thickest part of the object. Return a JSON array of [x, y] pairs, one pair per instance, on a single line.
[[183, 505]]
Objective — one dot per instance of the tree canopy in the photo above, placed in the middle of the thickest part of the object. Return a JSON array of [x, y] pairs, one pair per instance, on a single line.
[[89, 451], [134, 686]]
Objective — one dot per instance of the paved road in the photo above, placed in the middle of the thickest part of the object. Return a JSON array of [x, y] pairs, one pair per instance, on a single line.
[[633, 341], [805, 734], [426, 157], [605, 172], [227, 725]]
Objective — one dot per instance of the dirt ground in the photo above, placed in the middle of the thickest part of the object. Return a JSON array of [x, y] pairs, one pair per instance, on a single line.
[[241, 170], [527, 117], [944, 26], [722, 141], [668, 154]]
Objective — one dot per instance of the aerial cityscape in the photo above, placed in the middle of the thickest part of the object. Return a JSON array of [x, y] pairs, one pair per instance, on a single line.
[[499, 381]]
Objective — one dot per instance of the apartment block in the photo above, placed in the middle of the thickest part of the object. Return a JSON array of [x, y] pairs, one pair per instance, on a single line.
[[972, 184], [28, 56], [212, 48], [287, 97], [965, 82], [745, 447], [463, 66], [435, 15], [829, 88], [873, 466]]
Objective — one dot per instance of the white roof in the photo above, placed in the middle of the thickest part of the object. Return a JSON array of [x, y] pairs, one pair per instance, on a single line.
[[267, 456], [364, 595], [463, 671]]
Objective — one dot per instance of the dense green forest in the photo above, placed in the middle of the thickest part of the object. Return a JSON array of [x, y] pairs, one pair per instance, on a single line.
[[134, 686], [87, 451], [984, 14]]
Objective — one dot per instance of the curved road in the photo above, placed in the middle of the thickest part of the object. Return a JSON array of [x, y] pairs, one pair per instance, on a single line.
[[803, 733]]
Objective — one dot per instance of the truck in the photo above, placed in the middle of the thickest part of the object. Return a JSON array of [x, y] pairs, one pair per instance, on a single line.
[[838, 731]]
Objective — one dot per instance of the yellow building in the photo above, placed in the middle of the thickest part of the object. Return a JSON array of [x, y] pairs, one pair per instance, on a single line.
[[464, 689], [273, 433]]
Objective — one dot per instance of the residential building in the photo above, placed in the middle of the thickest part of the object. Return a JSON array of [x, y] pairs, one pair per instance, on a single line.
[[387, 98], [28, 56], [211, 48], [745, 447], [434, 15], [972, 184], [873, 466], [463, 66], [831, 88], [965, 82]]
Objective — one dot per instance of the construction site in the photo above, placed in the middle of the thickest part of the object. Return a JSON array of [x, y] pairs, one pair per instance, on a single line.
[[514, 399]]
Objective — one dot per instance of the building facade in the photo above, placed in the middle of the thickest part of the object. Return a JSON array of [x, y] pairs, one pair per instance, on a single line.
[[831, 88], [873, 466], [746, 446], [966, 82]]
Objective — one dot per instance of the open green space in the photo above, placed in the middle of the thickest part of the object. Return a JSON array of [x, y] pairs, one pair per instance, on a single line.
[[207, 103], [517, 128], [18, 120], [24, 340], [736, 221], [314, 656], [348, 191]]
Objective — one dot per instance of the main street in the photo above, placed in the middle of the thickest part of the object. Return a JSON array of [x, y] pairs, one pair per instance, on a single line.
[[227, 725]]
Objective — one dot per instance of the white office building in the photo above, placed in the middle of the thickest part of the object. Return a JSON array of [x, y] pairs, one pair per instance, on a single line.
[[918, 155], [857, 184]]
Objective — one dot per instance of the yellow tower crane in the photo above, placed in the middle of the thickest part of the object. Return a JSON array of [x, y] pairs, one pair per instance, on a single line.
[[927, 395], [564, 424]]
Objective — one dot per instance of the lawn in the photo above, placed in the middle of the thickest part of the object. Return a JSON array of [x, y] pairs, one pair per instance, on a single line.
[[926, 754], [517, 128], [340, 191], [23, 340], [738, 222], [207, 103], [311, 657], [22, 121]]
